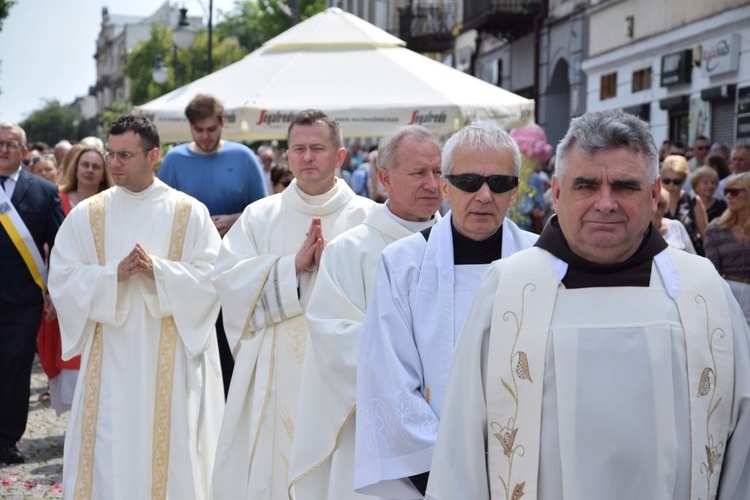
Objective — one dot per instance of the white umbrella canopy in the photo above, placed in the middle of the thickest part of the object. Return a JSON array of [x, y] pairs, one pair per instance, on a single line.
[[350, 69]]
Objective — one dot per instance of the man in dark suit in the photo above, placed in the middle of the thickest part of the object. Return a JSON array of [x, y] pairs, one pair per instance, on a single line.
[[30, 215]]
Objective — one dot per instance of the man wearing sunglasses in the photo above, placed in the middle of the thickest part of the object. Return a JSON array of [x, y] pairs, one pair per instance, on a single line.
[[409, 161], [601, 363], [130, 277], [423, 287], [30, 215]]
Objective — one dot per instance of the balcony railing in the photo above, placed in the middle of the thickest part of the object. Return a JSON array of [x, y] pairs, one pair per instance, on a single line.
[[509, 19], [427, 27]]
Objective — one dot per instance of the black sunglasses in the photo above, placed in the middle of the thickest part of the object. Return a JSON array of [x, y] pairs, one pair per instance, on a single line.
[[667, 181], [471, 183], [733, 191]]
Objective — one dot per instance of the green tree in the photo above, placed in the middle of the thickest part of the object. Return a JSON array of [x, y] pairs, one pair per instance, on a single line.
[[5, 6], [118, 109], [191, 62], [254, 22], [52, 123]]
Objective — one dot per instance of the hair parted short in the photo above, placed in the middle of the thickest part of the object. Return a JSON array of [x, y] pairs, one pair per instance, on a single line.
[[204, 106], [313, 116], [139, 125]]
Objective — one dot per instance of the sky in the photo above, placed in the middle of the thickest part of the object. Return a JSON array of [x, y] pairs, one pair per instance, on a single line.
[[48, 48]]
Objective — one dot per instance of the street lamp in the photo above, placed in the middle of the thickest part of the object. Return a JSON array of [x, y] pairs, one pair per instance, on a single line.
[[160, 73], [183, 35]]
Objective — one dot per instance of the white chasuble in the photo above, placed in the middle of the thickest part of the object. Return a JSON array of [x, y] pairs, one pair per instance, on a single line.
[[406, 348], [148, 402], [601, 406], [322, 465], [263, 304]]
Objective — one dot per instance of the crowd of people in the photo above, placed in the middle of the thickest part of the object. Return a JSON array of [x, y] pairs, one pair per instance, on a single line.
[[474, 319]]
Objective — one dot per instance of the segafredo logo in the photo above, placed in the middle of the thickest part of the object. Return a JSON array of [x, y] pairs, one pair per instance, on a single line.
[[429, 117], [277, 117]]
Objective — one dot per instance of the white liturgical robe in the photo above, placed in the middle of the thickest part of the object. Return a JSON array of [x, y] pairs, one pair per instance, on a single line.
[[405, 351], [148, 403], [627, 392], [322, 463], [263, 303]]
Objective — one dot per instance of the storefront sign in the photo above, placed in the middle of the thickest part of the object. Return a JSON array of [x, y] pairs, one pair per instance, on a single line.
[[720, 55], [676, 68], [743, 127], [743, 100]]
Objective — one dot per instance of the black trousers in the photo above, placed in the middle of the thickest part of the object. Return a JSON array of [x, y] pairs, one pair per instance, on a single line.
[[19, 325], [225, 354]]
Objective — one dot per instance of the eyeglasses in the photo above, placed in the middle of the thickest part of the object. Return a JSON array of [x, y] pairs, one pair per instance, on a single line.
[[677, 182], [733, 191], [123, 156], [11, 145], [471, 183]]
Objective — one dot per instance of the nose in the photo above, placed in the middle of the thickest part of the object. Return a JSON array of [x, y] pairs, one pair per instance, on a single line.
[[431, 181], [606, 201], [484, 194]]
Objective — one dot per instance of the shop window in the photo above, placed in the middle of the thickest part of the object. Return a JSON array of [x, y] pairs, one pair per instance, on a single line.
[[608, 86], [641, 80]]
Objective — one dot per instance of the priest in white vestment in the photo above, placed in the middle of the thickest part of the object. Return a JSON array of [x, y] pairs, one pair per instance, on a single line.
[[600, 364], [322, 465], [130, 279], [264, 275], [423, 287]]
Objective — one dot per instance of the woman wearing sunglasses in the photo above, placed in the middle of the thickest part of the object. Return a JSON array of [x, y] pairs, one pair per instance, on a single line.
[[687, 208], [728, 240]]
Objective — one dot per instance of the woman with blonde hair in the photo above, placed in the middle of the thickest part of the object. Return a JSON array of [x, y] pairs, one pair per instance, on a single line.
[[728, 240], [687, 208], [87, 175]]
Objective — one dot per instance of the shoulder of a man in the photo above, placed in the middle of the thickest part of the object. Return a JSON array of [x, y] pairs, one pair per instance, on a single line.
[[406, 252]]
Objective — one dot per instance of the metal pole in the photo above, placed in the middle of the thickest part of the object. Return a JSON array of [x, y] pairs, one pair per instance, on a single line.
[[210, 63], [174, 64]]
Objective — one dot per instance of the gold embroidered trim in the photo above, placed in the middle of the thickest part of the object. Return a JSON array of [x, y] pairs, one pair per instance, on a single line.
[[165, 368], [90, 411], [253, 306], [707, 386], [265, 399], [327, 457], [519, 370]]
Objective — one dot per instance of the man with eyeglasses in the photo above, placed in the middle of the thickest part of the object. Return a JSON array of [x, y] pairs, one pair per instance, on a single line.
[[423, 287], [30, 215], [223, 175], [130, 277], [601, 363], [264, 275], [322, 462]]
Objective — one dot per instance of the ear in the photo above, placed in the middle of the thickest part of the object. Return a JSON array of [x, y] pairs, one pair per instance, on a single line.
[[655, 194], [444, 189], [555, 190], [340, 157], [153, 156], [222, 121], [385, 178]]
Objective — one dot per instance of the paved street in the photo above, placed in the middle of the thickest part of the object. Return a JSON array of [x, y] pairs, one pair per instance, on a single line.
[[42, 445]]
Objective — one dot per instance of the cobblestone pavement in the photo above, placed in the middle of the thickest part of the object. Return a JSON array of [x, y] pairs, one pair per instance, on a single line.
[[42, 445]]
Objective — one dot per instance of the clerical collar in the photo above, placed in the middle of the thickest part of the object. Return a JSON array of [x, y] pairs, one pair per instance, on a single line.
[[472, 252], [317, 199], [143, 193], [411, 225], [636, 271]]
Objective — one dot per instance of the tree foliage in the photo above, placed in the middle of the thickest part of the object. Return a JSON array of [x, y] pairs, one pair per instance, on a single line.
[[191, 62], [5, 6], [254, 22], [53, 123]]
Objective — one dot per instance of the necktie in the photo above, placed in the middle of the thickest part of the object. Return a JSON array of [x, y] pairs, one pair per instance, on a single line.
[[2, 181]]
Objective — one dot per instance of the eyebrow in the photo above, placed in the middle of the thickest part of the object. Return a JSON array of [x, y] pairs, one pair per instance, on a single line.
[[617, 183]]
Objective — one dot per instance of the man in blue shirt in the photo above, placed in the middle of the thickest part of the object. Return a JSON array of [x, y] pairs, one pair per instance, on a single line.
[[225, 176]]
